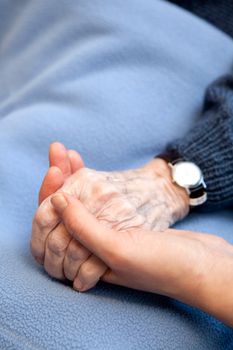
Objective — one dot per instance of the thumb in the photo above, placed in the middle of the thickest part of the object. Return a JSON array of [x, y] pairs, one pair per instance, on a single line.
[[53, 180], [84, 227]]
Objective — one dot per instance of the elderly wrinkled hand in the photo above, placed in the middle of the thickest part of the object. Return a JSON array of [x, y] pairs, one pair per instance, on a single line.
[[130, 199]]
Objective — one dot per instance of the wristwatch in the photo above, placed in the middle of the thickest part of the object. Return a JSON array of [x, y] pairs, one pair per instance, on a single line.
[[187, 175]]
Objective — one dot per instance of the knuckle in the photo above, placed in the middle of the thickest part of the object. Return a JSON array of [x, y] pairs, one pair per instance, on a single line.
[[51, 271], [86, 272], [44, 216], [39, 219], [76, 251], [57, 244], [84, 173], [35, 251], [103, 192]]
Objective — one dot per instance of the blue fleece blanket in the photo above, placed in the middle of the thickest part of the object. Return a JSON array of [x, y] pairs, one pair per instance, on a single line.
[[115, 80]]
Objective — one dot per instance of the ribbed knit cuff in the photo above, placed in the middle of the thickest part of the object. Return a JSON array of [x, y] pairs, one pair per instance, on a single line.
[[210, 145]]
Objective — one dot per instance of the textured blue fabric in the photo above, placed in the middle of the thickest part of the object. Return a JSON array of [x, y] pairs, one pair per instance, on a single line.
[[115, 80]]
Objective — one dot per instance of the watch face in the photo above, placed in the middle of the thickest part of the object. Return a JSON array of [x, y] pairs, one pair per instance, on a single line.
[[187, 174]]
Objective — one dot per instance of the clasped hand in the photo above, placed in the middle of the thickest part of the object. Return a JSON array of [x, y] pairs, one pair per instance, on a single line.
[[142, 198], [114, 226]]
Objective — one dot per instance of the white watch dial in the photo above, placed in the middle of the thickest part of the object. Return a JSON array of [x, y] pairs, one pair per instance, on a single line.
[[186, 174]]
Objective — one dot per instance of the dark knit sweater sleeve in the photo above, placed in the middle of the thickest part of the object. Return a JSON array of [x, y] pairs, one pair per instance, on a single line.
[[210, 143]]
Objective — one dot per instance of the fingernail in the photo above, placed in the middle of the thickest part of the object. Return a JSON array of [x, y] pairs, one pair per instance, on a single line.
[[59, 202], [78, 285]]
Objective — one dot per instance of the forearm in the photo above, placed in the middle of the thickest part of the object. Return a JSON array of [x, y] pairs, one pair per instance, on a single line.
[[217, 298], [208, 283], [209, 143]]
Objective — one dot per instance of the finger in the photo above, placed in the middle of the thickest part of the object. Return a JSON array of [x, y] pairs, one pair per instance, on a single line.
[[55, 249], [76, 161], [58, 156], [89, 274], [84, 227], [44, 221], [53, 180], [76, 255], [112, 277]]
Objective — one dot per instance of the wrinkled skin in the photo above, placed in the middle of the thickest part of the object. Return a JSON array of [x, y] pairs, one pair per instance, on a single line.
[[141, 198]]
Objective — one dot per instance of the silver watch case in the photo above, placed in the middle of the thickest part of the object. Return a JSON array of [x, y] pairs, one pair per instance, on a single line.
[[189, 176]]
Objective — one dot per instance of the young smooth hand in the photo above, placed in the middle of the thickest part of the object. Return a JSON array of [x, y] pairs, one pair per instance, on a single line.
[[194, 268]]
